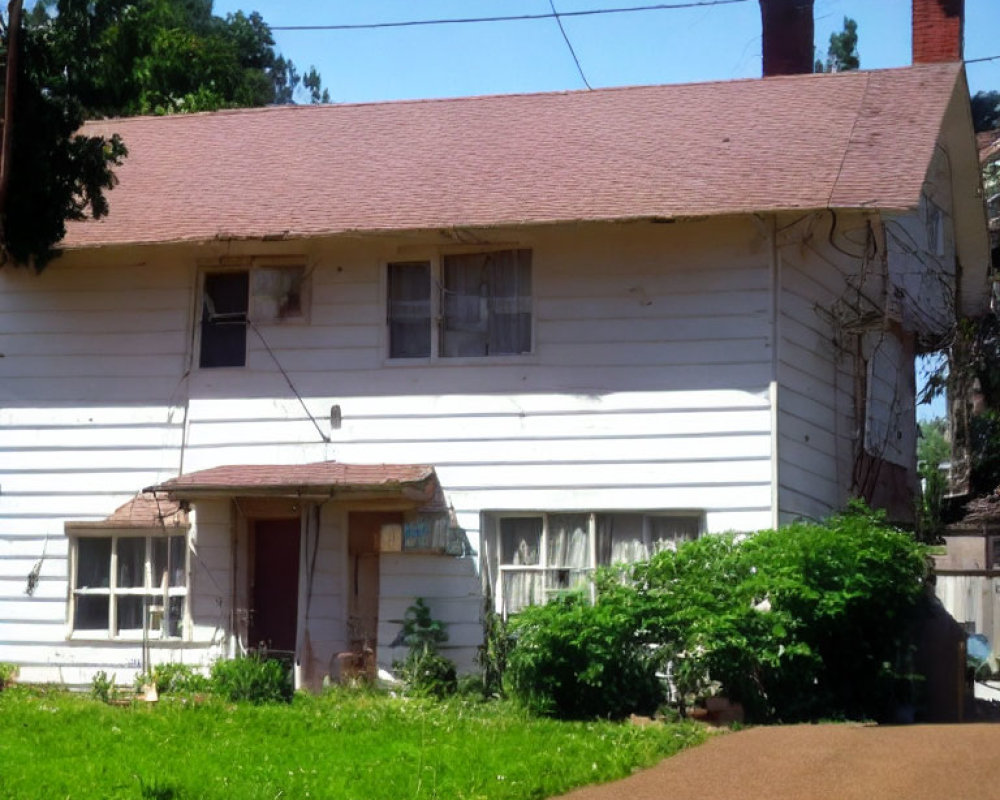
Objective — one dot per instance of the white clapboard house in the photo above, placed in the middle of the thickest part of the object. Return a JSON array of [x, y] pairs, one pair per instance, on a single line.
[[464, 350]]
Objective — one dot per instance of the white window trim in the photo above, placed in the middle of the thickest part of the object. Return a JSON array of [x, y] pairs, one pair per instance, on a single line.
[[436, 261], [500, 602], [113, 590]]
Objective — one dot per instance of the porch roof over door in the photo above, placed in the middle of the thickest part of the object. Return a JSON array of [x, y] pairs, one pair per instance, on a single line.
[[323, 479]]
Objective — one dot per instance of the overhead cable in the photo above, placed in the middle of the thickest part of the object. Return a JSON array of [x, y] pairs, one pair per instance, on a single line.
[[569, 44], [504, 18]]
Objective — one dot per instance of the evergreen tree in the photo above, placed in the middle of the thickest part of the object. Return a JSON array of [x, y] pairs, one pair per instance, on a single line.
[[842, 54]]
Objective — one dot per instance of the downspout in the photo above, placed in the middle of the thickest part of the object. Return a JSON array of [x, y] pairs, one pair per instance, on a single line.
[[775, 270]]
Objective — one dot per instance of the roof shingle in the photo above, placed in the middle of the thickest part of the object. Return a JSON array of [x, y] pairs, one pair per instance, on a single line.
[[846, 140]]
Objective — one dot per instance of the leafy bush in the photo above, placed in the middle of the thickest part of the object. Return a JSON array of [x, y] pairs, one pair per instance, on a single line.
[[424, 670], [8, 672], [102, 687], [172, 678], [809, 621], [252, 679], [497, 643], [576, 660]]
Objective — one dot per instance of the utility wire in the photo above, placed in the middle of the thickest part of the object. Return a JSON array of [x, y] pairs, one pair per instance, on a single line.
[[513, 18], [288, 380], [569, 44]]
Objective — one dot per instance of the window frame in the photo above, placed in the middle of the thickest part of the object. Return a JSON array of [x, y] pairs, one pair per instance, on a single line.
[[492, 521], [435, 262], [253, 266], [113, 591]]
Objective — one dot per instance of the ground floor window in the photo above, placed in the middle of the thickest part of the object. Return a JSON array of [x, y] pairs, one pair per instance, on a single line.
[[534, 555], [129, 586]]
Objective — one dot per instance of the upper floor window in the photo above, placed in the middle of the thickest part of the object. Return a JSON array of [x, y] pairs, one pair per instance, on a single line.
[[225, 301], [129, 586], [482, 305], [263, 295]]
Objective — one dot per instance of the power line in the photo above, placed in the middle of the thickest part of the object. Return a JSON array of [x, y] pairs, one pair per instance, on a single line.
[[515, 18], [978, 60], [569, 44]]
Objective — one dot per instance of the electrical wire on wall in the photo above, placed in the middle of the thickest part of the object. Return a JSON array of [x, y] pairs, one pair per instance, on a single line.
[[323, 437]]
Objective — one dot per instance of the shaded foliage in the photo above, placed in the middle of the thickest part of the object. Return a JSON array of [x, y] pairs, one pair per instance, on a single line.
[[56, 174], [986, 111], [933, 450], [86, 59]]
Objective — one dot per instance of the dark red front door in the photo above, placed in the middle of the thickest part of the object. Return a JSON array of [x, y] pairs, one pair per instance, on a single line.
[[275, 588]]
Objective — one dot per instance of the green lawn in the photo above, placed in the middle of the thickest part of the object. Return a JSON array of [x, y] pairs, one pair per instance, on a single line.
[[341, 745]]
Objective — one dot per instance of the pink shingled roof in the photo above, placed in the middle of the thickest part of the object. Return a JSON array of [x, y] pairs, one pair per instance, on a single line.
[[320, 475], [145, 510], [844, 140]]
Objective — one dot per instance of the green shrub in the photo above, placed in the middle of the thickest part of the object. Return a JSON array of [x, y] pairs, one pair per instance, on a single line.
[[172, 678], [8, 672], [806, 622], [252, 679], [576, 660], [102, 687], [809, 621], [424, 670]]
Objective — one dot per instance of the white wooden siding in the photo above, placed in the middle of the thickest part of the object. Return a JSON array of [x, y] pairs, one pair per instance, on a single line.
[[816, 426], [647, 389]]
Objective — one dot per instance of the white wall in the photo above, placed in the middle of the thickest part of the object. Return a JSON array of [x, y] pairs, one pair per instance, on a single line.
[[648, 389]]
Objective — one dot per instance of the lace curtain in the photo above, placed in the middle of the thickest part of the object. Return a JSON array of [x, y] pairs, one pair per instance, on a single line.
[[628, 538], [567, 557]]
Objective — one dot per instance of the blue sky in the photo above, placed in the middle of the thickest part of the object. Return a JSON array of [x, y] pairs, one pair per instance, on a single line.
[[668, 46], [710, 43]]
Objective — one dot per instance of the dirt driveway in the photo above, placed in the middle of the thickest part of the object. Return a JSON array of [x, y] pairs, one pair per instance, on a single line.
[[833, 762]]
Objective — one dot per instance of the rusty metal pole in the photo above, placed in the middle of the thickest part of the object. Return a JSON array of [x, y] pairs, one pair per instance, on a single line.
[[10, 88]]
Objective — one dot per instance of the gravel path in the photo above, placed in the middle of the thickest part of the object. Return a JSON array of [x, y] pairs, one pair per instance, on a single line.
[[833, 762]]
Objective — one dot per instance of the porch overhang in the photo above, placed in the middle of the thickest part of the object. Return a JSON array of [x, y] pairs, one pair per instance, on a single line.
[[320, 481]]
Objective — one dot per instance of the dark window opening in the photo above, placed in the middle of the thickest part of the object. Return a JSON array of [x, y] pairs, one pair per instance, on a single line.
[[224, 319]]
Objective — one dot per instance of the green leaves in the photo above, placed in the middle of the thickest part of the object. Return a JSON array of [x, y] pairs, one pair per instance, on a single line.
[[107, 58], [795, 624]]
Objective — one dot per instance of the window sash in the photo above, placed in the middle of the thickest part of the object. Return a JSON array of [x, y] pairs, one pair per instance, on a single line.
[[542, 553], [482, 304], [146, 579], [225, 304]]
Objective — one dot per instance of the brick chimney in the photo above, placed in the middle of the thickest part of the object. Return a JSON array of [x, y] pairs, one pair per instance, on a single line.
[[938, 30], [788, 36]]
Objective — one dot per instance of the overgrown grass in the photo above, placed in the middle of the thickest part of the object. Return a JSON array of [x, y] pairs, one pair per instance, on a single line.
[[341, 745]]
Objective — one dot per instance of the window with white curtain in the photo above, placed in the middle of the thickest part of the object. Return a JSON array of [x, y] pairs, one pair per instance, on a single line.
[[481, 301], [538, 554]]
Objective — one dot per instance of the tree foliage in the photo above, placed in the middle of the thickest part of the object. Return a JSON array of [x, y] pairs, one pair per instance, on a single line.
[[933, 450], [842, 54], [87, 59], [985, 111]]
